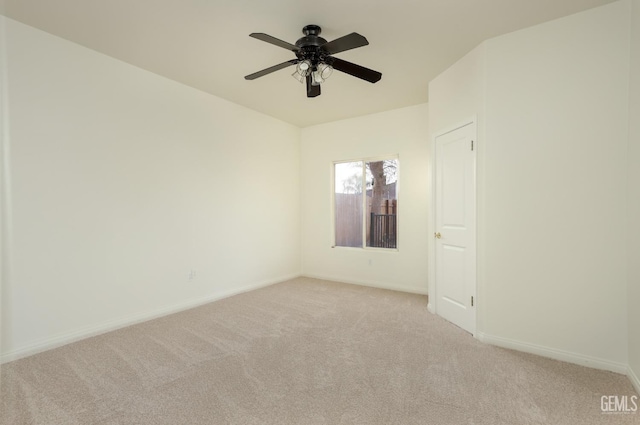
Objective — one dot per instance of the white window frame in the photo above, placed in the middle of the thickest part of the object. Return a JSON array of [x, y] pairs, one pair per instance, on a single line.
[[364, 203]]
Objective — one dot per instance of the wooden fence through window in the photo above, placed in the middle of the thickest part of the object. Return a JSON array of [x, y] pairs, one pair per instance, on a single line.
[[348, 219], [383, 227]]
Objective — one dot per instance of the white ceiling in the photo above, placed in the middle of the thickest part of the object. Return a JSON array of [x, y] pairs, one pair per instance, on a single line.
[[205, 43]]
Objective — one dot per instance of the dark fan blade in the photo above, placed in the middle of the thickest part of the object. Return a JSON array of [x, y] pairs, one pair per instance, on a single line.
[[347, 42], [312, 91], [271, 69], [356, 70], [275, 41]]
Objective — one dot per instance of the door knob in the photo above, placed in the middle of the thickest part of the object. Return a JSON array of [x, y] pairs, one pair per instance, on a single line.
[[437, 235]]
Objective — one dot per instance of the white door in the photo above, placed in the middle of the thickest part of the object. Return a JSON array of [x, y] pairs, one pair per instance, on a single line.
[[455, 226]]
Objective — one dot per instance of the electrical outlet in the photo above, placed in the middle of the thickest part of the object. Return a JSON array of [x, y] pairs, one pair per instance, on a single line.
[[192, 275], [370, 261]]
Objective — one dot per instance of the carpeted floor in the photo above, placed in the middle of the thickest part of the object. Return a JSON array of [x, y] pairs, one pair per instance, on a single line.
[[302, 352]]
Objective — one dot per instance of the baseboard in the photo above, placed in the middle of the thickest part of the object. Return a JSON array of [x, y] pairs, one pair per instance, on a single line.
[[112, 325], [634, 379], [372, 284], [565, 356]]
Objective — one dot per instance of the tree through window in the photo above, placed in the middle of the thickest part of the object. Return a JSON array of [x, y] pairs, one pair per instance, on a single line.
[[366, 203]]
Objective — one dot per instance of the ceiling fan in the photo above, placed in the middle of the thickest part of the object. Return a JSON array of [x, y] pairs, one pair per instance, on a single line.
[[314, 61]]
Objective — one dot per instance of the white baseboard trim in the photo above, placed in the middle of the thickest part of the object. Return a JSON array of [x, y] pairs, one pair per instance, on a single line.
[[553, 353], [634, 379], [372, 284], [112, 325]]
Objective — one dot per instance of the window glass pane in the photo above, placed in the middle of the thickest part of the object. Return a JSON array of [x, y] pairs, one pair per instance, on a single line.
[[382, 203], [348, 204]]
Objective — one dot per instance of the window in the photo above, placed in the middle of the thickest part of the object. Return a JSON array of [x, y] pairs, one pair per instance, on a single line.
[[366, 203]]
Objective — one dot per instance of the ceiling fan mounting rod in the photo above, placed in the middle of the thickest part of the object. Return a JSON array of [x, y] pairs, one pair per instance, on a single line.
[[311, 30]]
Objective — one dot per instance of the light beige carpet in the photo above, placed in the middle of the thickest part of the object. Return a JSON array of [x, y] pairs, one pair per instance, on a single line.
[[302, 352]]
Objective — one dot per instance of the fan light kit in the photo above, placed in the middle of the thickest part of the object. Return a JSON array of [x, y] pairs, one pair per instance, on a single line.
[[314, 63]]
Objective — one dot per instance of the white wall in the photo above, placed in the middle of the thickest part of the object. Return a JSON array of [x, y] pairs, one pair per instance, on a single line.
[[458, 93], [551, 183], [402, 132], [633, 231], [3, 171], [123, 182], [554, 190]]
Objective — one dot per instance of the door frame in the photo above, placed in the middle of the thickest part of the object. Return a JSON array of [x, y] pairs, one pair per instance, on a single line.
[[431, 256]]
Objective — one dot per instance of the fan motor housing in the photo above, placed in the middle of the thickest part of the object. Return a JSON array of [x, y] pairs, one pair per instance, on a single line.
[[310, 45], [311, 37]]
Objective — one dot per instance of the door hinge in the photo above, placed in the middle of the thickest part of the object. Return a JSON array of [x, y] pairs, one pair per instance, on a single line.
[[472, 301], [472, 145]]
